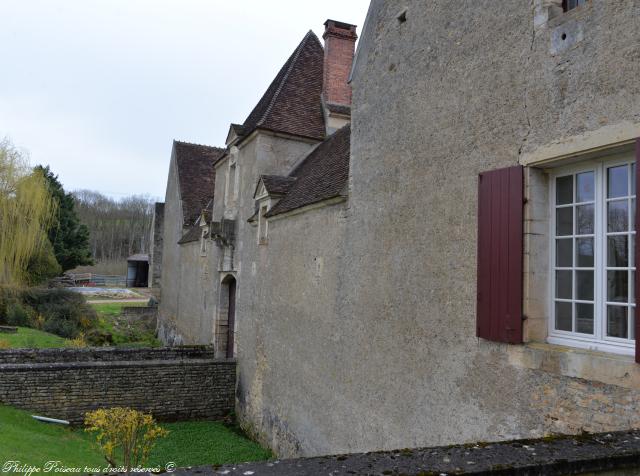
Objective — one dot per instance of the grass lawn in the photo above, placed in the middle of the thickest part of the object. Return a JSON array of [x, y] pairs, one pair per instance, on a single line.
[[188, 444], [31, 442], [27, 338]]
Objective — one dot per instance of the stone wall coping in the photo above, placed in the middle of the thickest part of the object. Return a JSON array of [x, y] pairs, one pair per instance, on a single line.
[[104, 354], [28, 367], [550, 456]]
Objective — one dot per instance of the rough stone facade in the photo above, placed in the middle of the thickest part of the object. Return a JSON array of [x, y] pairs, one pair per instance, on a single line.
[[356, 319], [172, 384], [187, 306], [155, 256]]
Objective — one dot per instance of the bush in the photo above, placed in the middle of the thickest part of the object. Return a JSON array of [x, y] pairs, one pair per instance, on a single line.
[[124, 432], [65, 313], [17, 316], [8, 297], [61, 327]]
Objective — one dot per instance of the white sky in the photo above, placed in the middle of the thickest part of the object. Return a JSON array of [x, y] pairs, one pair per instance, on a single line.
[[98, 89]]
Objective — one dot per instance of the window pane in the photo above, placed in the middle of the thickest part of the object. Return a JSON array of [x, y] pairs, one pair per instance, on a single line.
[[584, 318], [563, 316], [585, 187], [617, 251], [617, 286], [564, 221], [632, 218], [584, 252], [563, 284], [584, 220], [633, 178], [617, 216], [617, 181], [584, 285], [564, 252], [632, 325], [617, 321], [564, 190]]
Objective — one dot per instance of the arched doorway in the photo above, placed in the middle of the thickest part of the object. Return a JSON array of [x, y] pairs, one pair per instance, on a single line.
[[226, 318]]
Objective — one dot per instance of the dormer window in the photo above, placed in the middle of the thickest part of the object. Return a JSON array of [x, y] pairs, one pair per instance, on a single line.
[[571, 4]]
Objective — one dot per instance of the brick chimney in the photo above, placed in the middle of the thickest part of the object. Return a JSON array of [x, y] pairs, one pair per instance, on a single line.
[[339, 46]]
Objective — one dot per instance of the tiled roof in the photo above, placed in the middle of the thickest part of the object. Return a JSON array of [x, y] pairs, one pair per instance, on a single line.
[[193, 234], [196, 177], [292, 103], [276, 184], [322, 175]]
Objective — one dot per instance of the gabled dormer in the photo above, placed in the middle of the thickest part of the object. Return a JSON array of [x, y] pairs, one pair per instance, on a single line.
[[269, 190]]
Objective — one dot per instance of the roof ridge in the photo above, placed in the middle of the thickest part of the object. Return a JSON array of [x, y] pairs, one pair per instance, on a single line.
[[198, 145], [294, 59]]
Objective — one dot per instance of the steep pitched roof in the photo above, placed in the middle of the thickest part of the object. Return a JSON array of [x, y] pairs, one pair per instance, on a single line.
[[196, 177], [322, 175], [292, 103], [275, 184], [193, 234]]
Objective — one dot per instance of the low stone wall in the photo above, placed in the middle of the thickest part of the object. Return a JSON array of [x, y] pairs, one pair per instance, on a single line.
[[146, 315], [173, 384]]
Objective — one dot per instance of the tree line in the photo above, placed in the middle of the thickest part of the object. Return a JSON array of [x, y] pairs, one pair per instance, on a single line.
[[117, 228]]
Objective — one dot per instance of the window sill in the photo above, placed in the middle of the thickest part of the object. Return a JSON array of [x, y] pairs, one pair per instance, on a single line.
[[612, 369]]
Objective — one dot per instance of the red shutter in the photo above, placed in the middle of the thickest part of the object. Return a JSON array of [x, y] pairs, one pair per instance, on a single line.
[[637, 252], [500, 236]]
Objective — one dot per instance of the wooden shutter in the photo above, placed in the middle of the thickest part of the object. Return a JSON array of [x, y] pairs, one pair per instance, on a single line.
[[637, 253], [500, 238]]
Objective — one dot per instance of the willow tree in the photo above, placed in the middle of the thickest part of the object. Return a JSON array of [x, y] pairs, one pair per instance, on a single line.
[[26, 211]]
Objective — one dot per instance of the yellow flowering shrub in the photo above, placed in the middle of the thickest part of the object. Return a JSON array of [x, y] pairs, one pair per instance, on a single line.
[[5, 344], [79, 341], [124, 433]]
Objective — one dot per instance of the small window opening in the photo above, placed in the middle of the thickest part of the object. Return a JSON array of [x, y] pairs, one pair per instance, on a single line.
[[203, 241], [402, 16], [232, 179], [571, 4], [262, 226]]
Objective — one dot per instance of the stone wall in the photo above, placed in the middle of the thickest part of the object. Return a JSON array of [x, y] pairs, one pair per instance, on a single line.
[[146, 315], [453, 89], [156, 241], [173, 384]]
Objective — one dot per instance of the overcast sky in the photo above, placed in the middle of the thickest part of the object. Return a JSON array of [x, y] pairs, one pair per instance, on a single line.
[[98, 89]]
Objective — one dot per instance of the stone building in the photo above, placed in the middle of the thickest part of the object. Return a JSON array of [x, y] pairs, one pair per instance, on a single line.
[[458, 263], [187, 296]]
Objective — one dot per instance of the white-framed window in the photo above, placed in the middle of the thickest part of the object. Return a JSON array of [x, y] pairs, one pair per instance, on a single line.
[[592, 255]]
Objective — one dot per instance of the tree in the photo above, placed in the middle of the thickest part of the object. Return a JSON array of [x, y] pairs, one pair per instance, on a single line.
[[26, 212], [69, 237]]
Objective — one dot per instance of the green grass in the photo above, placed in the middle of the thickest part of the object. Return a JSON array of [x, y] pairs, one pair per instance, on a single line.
[[122, 334], [188, 444], [32, 442], [113, 309], [27, 338], [204, 442]]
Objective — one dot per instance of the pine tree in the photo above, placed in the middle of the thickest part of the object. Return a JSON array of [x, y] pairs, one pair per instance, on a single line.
[[69, 237]]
